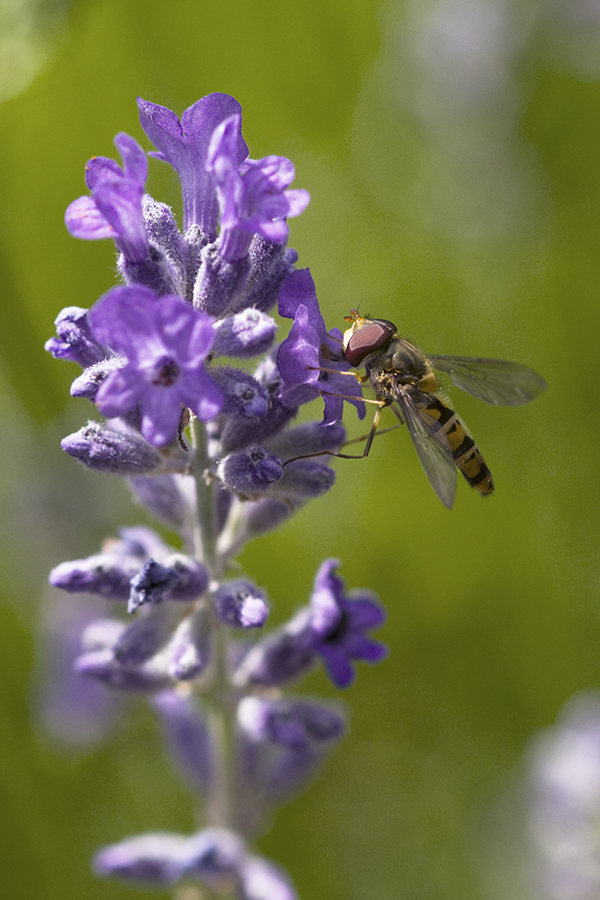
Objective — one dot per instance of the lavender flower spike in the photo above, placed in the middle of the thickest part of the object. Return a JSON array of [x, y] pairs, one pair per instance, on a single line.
[[165, 342], [115, 208], [184, 145], [252, 198], [164, 353]]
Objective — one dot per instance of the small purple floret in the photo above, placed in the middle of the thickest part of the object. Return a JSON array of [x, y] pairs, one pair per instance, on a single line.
[[309, 348], [111, 451], [184, 145], [186, 734], [150, 584], [339, 622], [115, 208], [252, 197], [165, 342], [245, 334]]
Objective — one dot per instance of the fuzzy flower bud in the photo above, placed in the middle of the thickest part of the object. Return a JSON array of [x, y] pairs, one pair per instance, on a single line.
[[75, 340], [240, 604], [111, 451], [250, 472], [245, 334]]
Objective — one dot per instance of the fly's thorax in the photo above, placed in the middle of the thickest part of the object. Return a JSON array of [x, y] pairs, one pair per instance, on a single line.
[[408, 361], [403, 360]]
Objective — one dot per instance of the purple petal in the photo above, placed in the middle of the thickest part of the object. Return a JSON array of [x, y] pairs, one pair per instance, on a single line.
[[122, 318], [135, 161], [161, 416], [297, 199], [339, 667], [298, 355], [184, 145], [100, 168], [365, 613], [119, 393], [299, 288], [85, 221]]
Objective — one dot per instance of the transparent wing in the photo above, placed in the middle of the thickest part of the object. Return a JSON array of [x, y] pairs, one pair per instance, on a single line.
[[493, 380], [432, 446]]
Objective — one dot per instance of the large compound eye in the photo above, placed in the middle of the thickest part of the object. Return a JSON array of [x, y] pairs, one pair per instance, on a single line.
[[374, 335]]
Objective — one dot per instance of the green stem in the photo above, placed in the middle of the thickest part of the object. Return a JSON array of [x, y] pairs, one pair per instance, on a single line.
[[220, 807], [205, 526]]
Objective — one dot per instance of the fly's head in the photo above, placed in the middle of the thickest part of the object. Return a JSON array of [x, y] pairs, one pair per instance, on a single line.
[[365, 336]]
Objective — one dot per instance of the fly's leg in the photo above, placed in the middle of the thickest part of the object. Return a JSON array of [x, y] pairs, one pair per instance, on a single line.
[[360, 378], [364, 437], [381, 404]]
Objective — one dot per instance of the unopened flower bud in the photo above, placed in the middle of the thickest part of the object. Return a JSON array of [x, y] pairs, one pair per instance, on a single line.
[[219, 281], [250, 472], [244, 335], [240, 604], [215, 856], [161, 495], [146, 635], [86, 386], [155, 858], [102, 634], [293, 723], [262, 880], [189, 650], [150, 584], [112, 452], [310, 437], [244, 396], [75, 340], [102, 665], [280, 657]]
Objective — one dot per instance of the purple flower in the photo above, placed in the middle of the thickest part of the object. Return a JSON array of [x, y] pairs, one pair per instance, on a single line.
[[252, 197], [190, 649], [339, 622], [115, 208], [309, 348], [184, 145], [165, 342]]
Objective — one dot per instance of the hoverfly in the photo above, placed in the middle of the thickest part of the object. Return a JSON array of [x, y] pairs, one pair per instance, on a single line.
[[404, 378]]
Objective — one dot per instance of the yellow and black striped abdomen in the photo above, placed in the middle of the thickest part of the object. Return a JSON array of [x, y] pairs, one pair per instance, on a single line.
[[466, 453]]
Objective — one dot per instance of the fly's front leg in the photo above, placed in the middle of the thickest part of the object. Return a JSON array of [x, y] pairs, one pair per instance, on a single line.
[[360, 378]]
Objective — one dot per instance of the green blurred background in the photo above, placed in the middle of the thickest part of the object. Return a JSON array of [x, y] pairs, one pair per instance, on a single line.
[[451, 151]]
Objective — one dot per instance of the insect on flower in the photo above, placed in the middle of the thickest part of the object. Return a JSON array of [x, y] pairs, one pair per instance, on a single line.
[[404, 378]]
